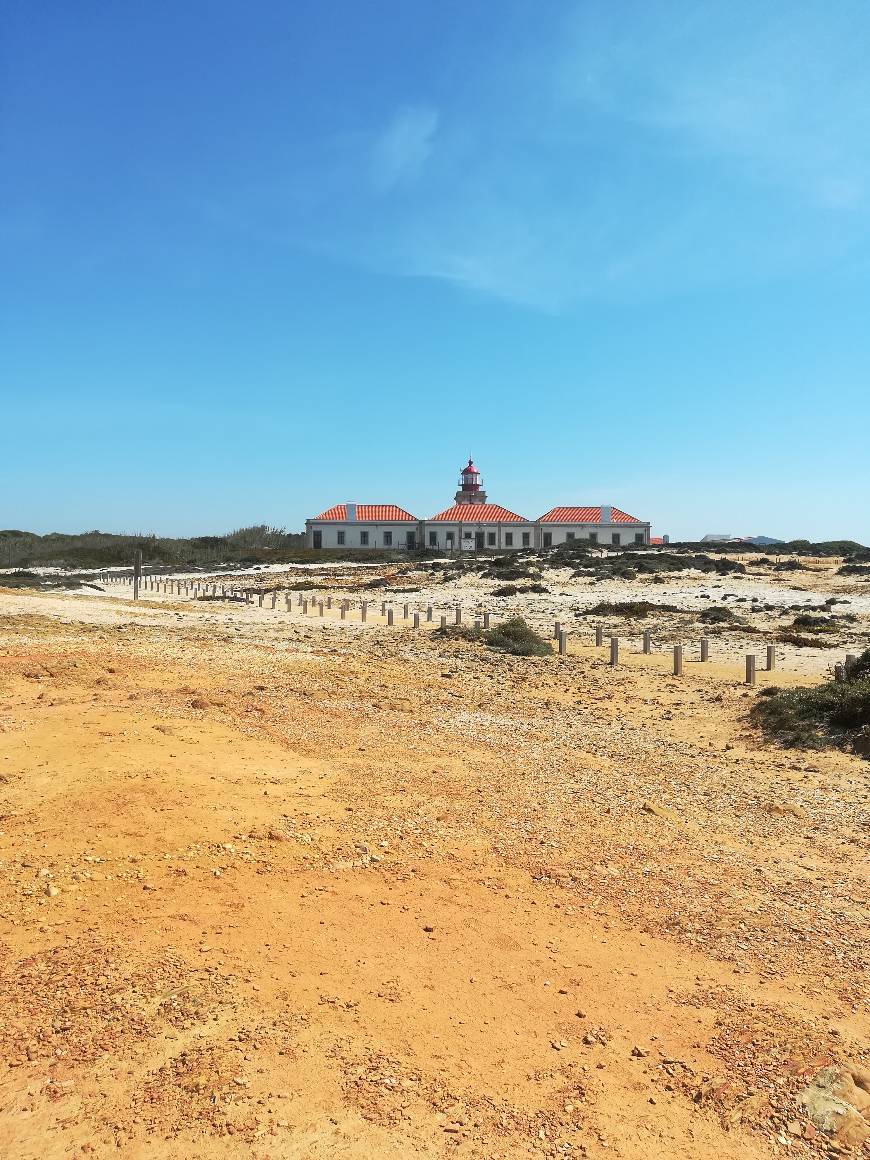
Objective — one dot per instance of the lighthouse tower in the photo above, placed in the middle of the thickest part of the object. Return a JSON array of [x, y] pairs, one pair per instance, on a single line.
[[470, 490]]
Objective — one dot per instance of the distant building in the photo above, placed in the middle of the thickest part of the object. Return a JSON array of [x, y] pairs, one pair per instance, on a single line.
[[471, 524]]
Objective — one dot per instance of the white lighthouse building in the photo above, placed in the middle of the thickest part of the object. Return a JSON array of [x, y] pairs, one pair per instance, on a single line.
[[471, 524]]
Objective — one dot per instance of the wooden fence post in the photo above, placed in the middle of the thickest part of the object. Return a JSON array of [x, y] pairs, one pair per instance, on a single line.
[[705, 649], [389, 616], [459, 614], [364, 611], [750, 669], [678, 660], [647, 641], [137, 572], [599, 634], [771, 657], [563, 642], [614, 650], [429, 612]]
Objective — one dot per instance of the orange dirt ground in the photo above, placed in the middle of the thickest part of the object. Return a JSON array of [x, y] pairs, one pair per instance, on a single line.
[[287, 890]]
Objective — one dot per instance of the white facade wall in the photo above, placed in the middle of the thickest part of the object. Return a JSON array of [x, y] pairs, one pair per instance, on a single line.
[[453, 537], [564, 533], [352, 534]]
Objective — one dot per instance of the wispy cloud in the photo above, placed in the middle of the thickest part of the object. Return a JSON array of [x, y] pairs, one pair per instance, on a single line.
[[631, 150], [403, 147]]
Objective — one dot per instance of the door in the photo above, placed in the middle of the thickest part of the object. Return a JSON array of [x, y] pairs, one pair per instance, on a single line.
[[318, 539], [548, 539], [478, 541], [412, 541]]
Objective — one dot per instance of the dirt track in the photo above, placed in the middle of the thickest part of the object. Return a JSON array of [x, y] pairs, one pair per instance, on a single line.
[[276, 889]]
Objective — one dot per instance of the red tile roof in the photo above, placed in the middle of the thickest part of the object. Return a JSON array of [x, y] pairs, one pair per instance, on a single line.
[[387, 512], [585, 515], [479, 513]]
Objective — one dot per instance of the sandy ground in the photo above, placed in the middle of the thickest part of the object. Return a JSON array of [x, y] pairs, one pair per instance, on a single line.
[[277, 887]]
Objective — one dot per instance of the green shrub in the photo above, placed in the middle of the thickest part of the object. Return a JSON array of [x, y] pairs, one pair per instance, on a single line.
[[516, 637], [719, 615], [808, 623], [825, 715]]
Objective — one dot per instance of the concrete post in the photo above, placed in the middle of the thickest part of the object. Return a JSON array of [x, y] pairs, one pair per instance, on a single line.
[[557, 628], [771, 657], [459, 614], [849, 664], [416, 620], [428, 611], [839, 671], [304, 606], [705, 649], [486, 620], [383, 608], [750, 669], [563, 642], [678, 660], [343, 610], [599, 634], [137, 572], [329, 602], [404, 612], [477, 626], [259, 599], [320, 608], [389, 616], [443, 621], [614, 650], [647, 641], [364, 611], [288, 602]]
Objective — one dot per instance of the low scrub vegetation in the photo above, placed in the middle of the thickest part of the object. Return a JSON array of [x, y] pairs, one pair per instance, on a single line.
[[518, 589], [633, 609], [836, 713], [517, 638], [801, 640], [719, 615]]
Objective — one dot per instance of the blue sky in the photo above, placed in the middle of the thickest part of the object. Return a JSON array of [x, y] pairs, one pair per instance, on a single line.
[[261, 258]]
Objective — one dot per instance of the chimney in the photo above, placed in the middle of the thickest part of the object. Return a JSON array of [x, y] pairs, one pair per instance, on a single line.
[[605, 514], [351, 512]]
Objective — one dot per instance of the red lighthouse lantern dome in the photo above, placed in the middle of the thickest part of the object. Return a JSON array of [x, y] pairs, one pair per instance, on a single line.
[[469, 485]]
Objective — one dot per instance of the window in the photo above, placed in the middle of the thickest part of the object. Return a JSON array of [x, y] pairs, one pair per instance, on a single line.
[[638, 537], [569, 535], [388, 539], [450, 539], [490, 539], [527, 539], [593, 537], [433, 539], [508, 539], [364, 539], [410, 541], [548, 539], [616, 538], [340, 538]]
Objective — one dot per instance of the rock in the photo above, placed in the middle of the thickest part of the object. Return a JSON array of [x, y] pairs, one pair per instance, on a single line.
[[781, 810], [660, 812], [51, 890], [834, 1103], [199, 703]]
